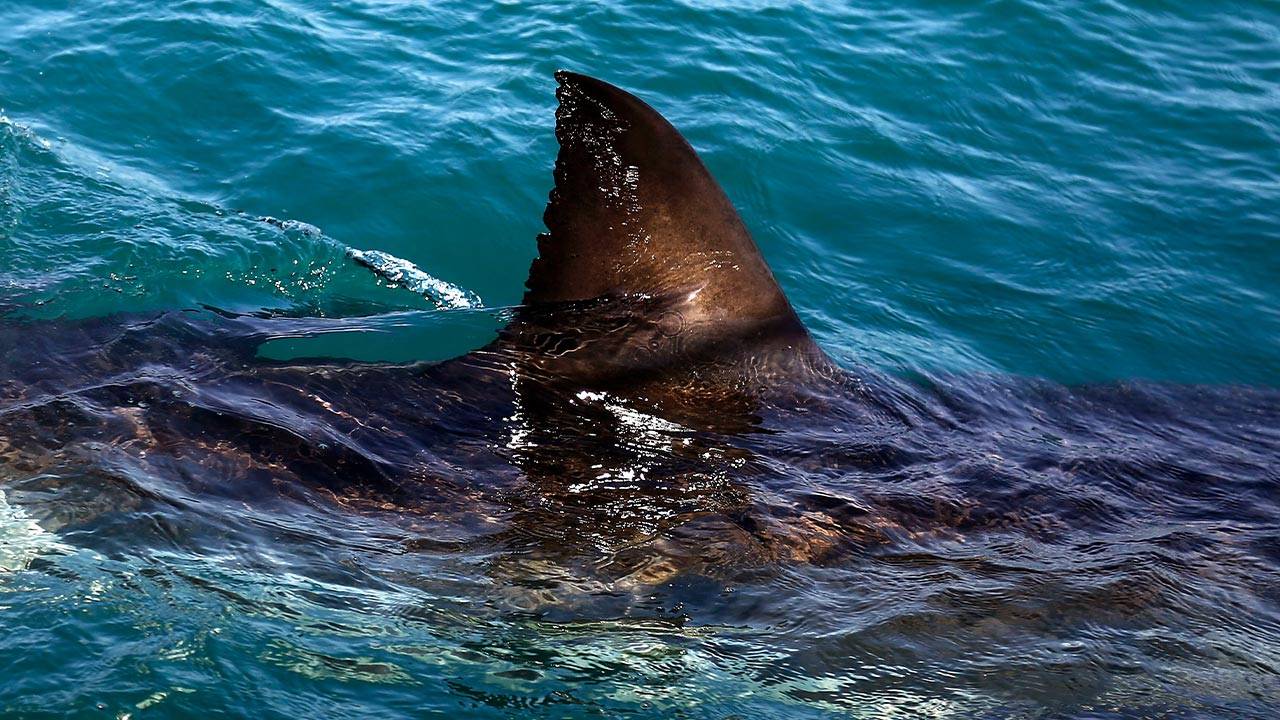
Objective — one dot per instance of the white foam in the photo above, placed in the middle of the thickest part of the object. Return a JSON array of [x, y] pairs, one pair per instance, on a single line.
[[23, 130], [297, 226], [22, 539], [402, 272]]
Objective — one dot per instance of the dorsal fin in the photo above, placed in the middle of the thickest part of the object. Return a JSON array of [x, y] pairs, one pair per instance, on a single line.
[[635, 212]]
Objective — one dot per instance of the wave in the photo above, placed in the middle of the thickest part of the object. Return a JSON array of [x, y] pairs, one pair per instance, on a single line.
[[22, 539], [399, 271]]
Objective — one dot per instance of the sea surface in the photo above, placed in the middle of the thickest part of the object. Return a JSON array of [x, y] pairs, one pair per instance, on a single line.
[[983, 207]]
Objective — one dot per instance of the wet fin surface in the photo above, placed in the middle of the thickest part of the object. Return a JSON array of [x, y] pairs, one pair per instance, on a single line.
[[635, 212]]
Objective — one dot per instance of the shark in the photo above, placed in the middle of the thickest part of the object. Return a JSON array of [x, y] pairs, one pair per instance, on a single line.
[[654, 409]]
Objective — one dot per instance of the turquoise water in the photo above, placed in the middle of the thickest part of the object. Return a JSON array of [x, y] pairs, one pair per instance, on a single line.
[[1077, 191]]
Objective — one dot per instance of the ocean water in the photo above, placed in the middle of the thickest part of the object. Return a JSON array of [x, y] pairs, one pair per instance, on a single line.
[[1068, 193]]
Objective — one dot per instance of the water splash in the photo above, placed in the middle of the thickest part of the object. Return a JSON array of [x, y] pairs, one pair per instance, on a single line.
[[303, 228], [23, 130], [402, 272], [22, 539]]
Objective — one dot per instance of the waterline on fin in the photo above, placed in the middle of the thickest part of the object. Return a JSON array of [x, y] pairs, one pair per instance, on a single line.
[[399, 271]]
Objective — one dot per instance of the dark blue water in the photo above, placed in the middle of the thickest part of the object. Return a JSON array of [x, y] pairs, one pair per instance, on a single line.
[[1043, 234]]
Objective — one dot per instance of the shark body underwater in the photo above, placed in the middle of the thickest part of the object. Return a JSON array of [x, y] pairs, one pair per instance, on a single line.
[[654, 410]]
